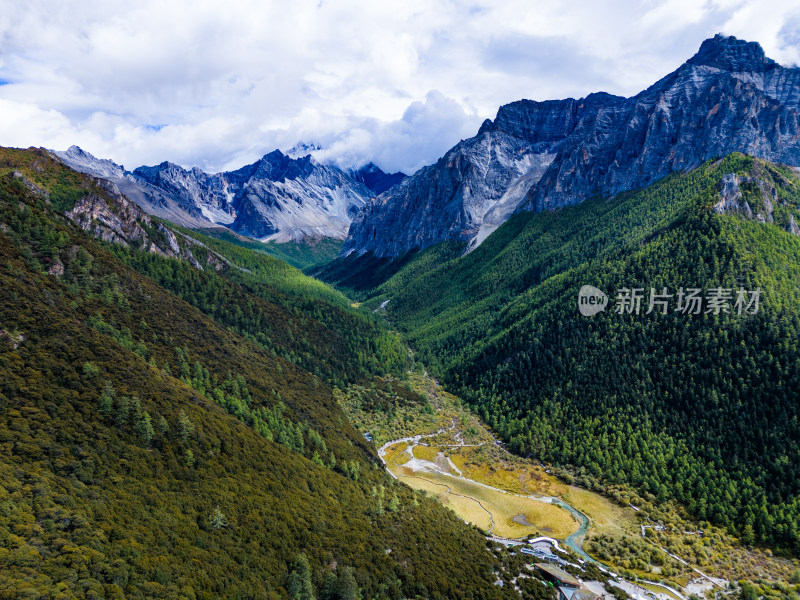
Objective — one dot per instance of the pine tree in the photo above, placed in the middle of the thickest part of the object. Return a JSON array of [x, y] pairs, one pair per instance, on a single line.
[[122, 411], [217, 519], [90, 370], [185, 427], [143, 426], [163, 426], [105, 404], [330, 587], [348, 587], [378, 493], [299, 583]]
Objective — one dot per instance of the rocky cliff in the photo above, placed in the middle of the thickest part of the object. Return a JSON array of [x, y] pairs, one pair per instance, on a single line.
[[193, 189], [111, 216], [729, 97], [473, 188]]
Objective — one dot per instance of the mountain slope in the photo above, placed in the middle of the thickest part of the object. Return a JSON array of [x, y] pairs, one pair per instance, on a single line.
[[538, 156], [311, 253], [148, 451], [479, 181], [700, 408]]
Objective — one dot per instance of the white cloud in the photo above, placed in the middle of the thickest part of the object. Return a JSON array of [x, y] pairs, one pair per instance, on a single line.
[[218, 84], [426, 130]]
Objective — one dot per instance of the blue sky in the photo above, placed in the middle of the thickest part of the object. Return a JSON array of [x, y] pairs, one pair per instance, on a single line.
[[217, 85]]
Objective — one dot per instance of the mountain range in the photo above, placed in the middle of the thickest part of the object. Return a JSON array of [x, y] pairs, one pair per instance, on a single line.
[[729, 97], [535, 155], [278, 198]]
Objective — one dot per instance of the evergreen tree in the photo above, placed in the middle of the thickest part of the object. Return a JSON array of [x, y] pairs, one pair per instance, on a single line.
[[299, 583], [217, 519], [185, 427], [122, 412], [105, 404], [143, 426], [330, 587], [163, 426], [90, 370], [348, 587]]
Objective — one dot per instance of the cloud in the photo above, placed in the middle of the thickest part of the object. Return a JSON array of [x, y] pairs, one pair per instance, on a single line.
[[425, 132], [398, 82]]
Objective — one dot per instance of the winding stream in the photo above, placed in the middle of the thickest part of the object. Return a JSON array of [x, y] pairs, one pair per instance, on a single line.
[[575, 540]]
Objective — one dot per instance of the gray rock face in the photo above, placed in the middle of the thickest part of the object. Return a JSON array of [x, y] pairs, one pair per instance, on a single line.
[[193, 189], [284, 199], [472, 189], [730, 197], [375, 179], [729, 97], [82, 161], [793, 228], [114, 218], [764, 199]]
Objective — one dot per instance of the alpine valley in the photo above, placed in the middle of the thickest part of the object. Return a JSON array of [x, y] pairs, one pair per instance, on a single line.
[[422, 411]]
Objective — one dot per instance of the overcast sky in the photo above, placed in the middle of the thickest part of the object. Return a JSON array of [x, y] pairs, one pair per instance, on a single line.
[[218, 84]]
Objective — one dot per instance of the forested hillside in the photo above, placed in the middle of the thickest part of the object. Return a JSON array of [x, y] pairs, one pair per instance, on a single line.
[[277, 307], [697, 407], [161, 436]]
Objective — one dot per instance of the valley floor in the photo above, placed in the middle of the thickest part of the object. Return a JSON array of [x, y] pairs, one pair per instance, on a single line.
[[448, 453]]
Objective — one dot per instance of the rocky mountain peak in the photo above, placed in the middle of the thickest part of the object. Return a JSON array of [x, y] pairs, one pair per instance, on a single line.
[[288, 199], [375, 178], [277, 166], [77, 152], [486, 126], [77, 158], [151, 174], [301, 149], [276, 157], [732, 54]]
